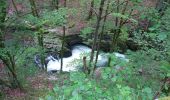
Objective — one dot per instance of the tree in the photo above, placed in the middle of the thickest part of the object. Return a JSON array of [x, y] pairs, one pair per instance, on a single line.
[[99, 17], [5, 55], [102, 32], [34, 8], [91, 10], [55, 4], [40, 32], [63, 41]]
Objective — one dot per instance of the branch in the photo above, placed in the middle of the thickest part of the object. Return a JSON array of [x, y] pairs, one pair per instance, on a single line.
[[113, 9]]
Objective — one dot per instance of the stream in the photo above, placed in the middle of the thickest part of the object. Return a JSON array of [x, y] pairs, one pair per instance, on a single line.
[[75, 61]]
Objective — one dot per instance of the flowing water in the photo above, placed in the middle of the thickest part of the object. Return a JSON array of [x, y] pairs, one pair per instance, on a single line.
[[74, 62]]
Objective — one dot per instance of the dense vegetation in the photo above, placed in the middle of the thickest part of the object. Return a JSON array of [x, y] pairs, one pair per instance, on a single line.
[[139, 29]]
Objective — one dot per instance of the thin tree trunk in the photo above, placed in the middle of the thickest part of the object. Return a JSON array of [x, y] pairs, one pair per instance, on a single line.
[[34, 8], [118, 25], [3, 12], [96, 32], [1, 39], [117, 11], [85, 69], [63, 41], [15, 82], [113, 44], [62, 48], [39, 34], [65, 3], [102, 32], [91, 10], [55, 4], [9, 61]]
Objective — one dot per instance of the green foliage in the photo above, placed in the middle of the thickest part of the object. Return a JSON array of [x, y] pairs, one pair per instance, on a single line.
[[137, 79], [125, 17], [3, 7], [165, 67], [49, 18], [86, 33], [155, 40], [23, 56], [118, 82], [56, 17]]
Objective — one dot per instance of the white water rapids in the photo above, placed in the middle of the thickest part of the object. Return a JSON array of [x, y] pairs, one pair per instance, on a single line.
[[70, 63]]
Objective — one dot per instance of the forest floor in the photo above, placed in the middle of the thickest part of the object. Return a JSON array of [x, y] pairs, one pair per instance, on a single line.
[[35, 86]]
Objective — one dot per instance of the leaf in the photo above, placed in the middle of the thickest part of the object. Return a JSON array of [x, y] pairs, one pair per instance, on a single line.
[[56, 88], [162, 36], [114, 79], [147, 90], [68, 91], [168, 74], [77, 76], [87, 30], [50, 97], [77, 97]]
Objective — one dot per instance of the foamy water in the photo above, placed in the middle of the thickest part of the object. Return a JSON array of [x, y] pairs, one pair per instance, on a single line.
[[76, 60]]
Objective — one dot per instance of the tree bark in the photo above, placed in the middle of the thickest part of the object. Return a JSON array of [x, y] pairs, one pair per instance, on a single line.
[[99, 17], [65, 3], [91, 10], [102, 32], [55, 4], [3, 12], [34, 8], [63, 41], [118, 24], [62, 47]]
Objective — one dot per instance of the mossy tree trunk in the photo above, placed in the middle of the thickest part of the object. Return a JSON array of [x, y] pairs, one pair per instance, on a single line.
[[3, 6], [161, 6], [91, 10], [40, 33], [63, 41], [119, 22], [102, 32], [55, 4], [34, 8], [7, 57], [99, 17]]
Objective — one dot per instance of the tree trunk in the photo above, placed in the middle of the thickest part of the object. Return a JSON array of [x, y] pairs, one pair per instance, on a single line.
[[40, 33], [91, 10], [1, 39], [55, 4], [3, 12], [62, 47], [34, 8], [118, 24], [102, 32], [9, 61], [65, 3], [161, 6], [99, 17], [40, 37], [63, 41]]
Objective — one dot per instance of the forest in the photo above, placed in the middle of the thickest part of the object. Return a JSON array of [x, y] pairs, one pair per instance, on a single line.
[[84, 49]]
